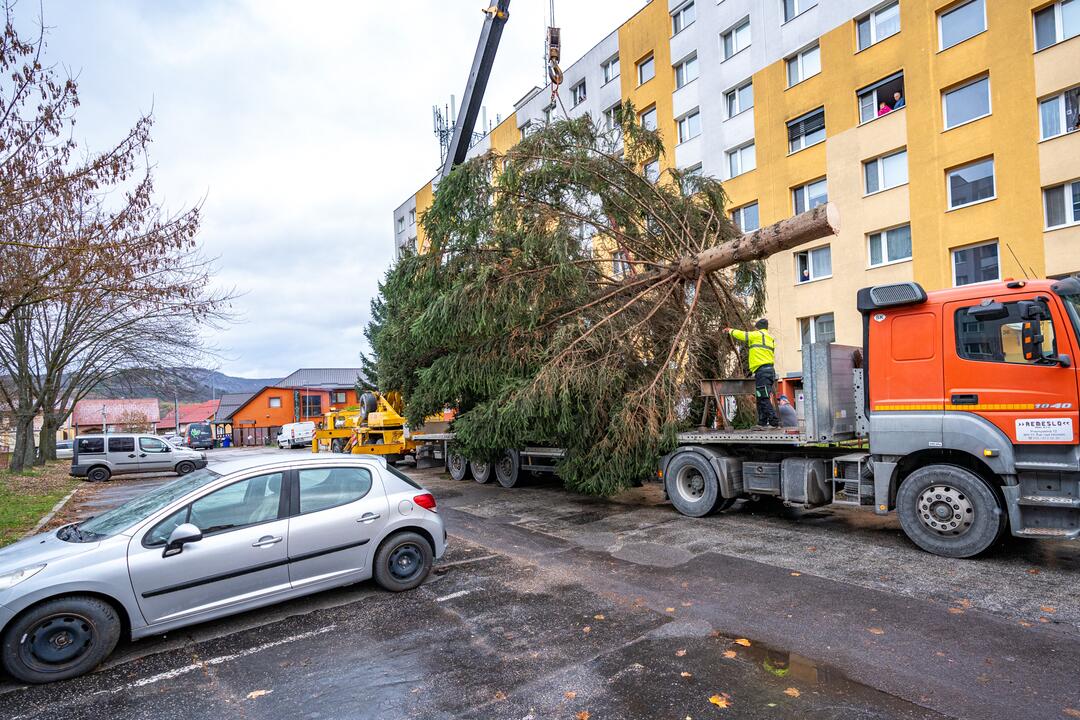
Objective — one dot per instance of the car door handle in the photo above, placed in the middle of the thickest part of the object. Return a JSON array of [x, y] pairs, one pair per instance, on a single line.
[[967, 399], [131, 455], [142, 454], [266, 541], [368, 517]]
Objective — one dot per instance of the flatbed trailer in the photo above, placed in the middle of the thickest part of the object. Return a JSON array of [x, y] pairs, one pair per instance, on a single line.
[[959, 412]]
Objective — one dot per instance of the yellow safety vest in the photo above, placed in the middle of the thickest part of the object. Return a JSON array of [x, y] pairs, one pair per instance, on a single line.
[[761, 346]]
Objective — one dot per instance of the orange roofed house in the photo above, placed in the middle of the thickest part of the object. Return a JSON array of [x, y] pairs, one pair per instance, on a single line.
[[94, 415], [202, 412], [304, 395]]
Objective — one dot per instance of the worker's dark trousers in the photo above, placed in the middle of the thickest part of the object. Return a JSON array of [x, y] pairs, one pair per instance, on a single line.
[[764, 381]]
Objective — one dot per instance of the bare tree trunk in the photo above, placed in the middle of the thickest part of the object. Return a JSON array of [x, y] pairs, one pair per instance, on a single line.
[[23, 456], [47, 439]]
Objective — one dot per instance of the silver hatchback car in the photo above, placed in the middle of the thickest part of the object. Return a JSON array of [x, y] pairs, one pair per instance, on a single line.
[[218, 541]]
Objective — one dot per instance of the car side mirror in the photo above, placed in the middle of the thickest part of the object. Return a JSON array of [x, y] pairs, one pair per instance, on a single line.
[[182, 535]]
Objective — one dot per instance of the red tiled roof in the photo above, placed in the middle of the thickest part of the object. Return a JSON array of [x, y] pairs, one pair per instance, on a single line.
[[191, 413], [88, 411]]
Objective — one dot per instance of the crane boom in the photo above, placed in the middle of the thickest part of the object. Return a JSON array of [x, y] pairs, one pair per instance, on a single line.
[[496, 18]]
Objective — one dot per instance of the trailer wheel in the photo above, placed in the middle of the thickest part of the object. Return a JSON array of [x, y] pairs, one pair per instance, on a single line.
[[457, 465], [692, 486], [481, 471], [949, 511], [337, 445], [508, 469]]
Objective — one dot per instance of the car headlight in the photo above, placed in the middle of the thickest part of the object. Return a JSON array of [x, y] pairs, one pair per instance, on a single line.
[[11, 579]]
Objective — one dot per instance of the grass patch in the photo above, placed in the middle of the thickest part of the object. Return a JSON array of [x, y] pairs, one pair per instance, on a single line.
[[26, 497]]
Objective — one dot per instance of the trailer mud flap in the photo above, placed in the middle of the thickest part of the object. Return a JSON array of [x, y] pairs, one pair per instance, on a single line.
[[883, 497]]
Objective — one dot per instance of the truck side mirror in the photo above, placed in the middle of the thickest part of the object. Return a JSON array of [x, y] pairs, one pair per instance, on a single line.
[[988, 310], [1031, 340]]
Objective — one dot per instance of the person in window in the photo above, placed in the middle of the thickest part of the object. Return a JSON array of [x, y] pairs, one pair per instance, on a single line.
[[884, 109], [898, 100]]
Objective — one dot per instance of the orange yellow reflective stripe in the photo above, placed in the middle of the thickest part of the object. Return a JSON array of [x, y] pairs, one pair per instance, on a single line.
[[959, 408]]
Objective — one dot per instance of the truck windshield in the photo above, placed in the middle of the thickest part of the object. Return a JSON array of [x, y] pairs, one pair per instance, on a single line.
[[121, 518], [1072, 304]]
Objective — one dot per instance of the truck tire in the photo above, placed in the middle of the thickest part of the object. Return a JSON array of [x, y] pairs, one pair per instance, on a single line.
[[457, 465], [692, 486], [337, 445], [60, 638], [508, 469], [481, 471], [949, 511]]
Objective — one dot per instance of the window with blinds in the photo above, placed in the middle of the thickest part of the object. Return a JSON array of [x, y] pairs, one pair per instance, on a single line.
[[806, 130]]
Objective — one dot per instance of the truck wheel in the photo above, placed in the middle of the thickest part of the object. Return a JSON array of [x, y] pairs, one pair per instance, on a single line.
[[60, 639], [337, 445], [481, 471], [692, 486], [98, 474], [457, 465], [949, 511], [508, 469]]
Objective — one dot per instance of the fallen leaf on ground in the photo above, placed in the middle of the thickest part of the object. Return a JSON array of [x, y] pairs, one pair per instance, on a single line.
[[1033, 571], [258, 694], [742, 641], [940, 654], [598, 617], [876, 631], [1025, 623], [796, 574], [586, 629], [583, 715], [685, 674], [681, 652], [500, 695], [812, 548], [569, 694], [729, 654], [1071, 712], [723, 700], [964, 603], [792, 692], [956, 611], [1044, 619], [686, 604], [669, 609], [1047, 609]]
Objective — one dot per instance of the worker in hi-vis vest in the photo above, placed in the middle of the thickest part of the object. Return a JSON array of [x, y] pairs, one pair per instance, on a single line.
[[761, 348]]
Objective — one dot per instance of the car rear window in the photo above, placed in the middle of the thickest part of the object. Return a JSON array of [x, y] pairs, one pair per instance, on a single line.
[[397, 473], [91, 445]]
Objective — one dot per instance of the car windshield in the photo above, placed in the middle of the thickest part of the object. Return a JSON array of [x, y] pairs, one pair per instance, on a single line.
[[120, 518]]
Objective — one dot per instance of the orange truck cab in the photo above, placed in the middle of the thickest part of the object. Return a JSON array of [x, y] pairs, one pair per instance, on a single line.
[[976, 381], [959, 412]]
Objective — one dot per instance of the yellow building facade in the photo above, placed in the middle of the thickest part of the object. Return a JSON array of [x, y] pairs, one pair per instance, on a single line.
[[974, 177]]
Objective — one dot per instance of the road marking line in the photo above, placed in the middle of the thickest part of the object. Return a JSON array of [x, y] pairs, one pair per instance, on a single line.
[[457, 594], [177, 672]]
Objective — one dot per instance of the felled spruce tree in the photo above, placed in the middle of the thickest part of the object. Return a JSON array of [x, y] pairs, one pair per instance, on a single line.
[[516, 314]]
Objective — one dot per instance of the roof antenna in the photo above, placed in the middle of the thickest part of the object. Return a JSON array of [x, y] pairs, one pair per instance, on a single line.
[[1027, 276]]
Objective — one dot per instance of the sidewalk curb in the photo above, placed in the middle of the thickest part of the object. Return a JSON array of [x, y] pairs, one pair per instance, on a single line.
[[51, 514]]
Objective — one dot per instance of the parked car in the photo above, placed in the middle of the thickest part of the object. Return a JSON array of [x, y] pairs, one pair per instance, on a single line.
[[294, 435], [98, 457], [63, 449], [174, 440], [199, 436], [243, 534]]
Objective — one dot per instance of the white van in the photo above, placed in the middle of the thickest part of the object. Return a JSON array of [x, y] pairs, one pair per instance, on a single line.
[[296, 435]]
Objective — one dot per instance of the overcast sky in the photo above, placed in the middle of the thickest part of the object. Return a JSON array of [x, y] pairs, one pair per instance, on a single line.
[[303, 125]]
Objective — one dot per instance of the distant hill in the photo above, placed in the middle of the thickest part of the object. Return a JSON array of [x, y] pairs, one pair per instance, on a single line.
[[190, 384]]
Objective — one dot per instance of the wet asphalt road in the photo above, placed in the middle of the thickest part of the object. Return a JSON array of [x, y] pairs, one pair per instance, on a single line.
[[549, 605]]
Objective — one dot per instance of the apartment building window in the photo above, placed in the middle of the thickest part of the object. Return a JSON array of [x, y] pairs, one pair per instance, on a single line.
[[549, 113], [682, 18], [741, 160], [1060, 114], [746, 217], [648, 118], [817, 328], [813, 265], [651, 170], [611, 117], [886, 172], [610, 69], [401, 224], [413, 244], [275, 402], [966, 103], [620, 264], [806, 130], [578, 94], [690, 125], [686, 71], [976, 263], [890, 246], [961, 22], [971, 183], [881, 98], [878, 25], [688, 184], [736, 39], [1062, 204], [646, 70], [525, 128], [1057, 23], [797, 7], [412, 216], [809, 196], [803, 65], [739, 99]]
